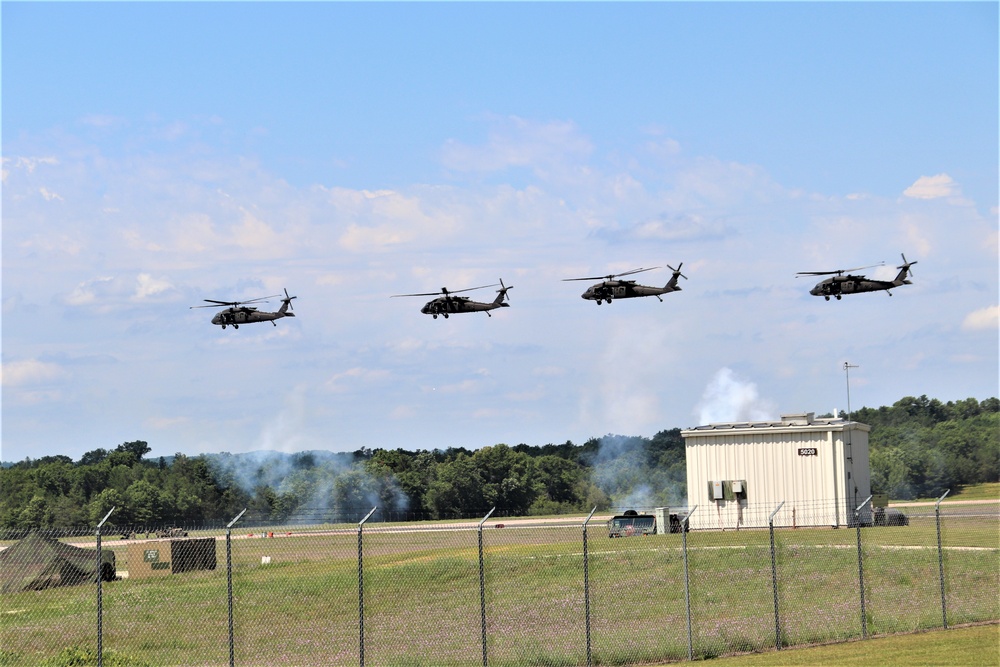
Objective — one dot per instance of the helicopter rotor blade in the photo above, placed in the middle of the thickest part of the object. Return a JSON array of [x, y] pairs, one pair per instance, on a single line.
[[221, 304], [613, 275], [838, 271], [444, 292]]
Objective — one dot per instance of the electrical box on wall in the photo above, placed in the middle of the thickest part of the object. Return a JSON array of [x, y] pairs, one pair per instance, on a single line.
[[727, 489]]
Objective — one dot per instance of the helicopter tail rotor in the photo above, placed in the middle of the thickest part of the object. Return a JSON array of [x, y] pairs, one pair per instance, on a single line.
[[286, 305], [502, 294], [672, 283], [906, 265], [904, 269], [677, 271]]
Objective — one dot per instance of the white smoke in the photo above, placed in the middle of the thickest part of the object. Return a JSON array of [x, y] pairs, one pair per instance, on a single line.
[[729, 398]]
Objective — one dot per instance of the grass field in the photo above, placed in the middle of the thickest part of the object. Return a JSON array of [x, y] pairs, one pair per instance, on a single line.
[[422, 596], [956, 647], [987, 491]]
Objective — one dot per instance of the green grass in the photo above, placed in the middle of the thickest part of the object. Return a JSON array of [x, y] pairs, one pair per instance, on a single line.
[[988, 491], [957, 647], [985, 491], [422, 604]]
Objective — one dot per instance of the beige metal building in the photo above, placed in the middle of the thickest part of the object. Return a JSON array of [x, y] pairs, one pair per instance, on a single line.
[[738, 473]]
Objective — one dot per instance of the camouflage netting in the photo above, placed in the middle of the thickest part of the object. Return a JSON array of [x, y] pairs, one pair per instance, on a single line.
[[38, 562]]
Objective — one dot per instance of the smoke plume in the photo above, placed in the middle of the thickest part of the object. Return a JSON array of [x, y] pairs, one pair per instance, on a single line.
[[730, 398]]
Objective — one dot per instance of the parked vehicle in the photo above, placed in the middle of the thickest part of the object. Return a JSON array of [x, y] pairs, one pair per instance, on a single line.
[[630, 524]]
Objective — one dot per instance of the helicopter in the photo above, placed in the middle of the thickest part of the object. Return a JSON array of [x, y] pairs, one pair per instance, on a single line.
[[238, 312], [447, 304], [840, 284], [612, 288]]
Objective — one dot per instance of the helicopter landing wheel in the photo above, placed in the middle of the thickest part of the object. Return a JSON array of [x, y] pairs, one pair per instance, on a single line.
[[827, 298], [435, 317], [838, 297], [236, 326], [446, 316]]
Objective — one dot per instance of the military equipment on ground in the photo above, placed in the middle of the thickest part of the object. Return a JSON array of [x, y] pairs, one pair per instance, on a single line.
[[171, 532], [631, 524]]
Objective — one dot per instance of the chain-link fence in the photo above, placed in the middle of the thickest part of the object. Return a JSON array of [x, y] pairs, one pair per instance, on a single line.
[[494, 591]]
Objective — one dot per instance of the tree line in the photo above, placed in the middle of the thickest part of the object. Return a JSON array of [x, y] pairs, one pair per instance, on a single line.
[[919, 448]]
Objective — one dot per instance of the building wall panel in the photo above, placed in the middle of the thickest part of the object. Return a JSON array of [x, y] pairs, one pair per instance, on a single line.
[[817, 489]]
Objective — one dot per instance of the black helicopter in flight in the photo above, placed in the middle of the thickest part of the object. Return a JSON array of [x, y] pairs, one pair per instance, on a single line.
[[238, 312], [840, 284], [611, 288], [446, 304]]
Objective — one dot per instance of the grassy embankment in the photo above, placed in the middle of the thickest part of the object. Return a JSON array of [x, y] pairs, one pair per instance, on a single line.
[[958, 647]]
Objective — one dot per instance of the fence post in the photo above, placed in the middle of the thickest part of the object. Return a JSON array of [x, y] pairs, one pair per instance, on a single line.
[[229, 584], [937, 520], [861, 569], [482, 585], [586, 583], [774, 579], [361, 591], [100, 610], [687, 581]]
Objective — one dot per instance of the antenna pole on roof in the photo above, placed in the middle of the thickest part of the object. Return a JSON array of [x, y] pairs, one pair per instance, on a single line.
[[847, 372]]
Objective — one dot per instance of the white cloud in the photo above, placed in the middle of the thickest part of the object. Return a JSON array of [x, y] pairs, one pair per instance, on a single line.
[[86, 293], [403, 412], [29, 164], [148, 286], [48, 195], [160, 423], [255, 233], [30, 372], [984, 318], [932, 187], [355, 376], [380, 220], [516, 142]]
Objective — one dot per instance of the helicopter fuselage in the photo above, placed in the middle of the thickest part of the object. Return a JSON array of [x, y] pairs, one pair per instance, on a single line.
[[446, 306], [840, 285], [844, 283], [625, 289], [234, 317]]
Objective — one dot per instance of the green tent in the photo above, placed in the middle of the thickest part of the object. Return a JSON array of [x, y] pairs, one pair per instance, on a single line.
[[39, 562]]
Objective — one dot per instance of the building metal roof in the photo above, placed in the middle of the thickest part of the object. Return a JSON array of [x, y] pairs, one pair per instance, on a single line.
[[789, 421]]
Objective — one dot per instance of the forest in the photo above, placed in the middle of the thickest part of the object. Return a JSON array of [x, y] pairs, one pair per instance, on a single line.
[[919, 447]]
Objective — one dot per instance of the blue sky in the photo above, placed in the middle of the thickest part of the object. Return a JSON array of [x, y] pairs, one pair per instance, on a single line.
[[155, 155]]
